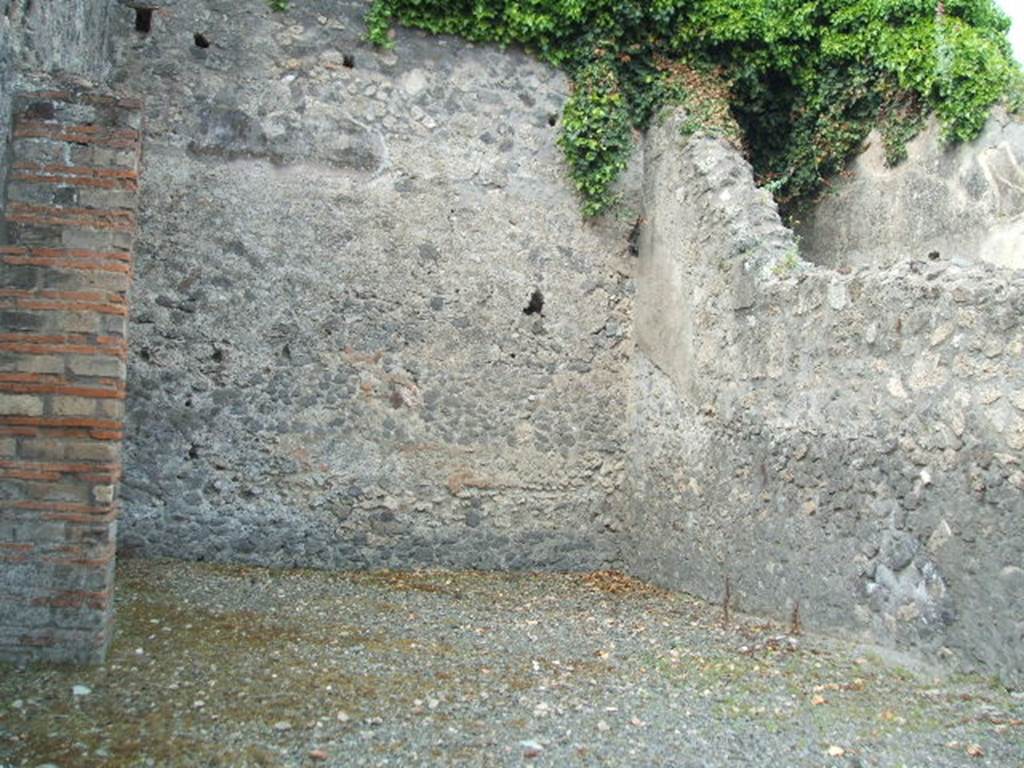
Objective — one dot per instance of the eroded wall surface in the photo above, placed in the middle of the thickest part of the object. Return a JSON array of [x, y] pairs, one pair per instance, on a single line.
[[848, 443], [38, 38], [331, 361], [962, 203]]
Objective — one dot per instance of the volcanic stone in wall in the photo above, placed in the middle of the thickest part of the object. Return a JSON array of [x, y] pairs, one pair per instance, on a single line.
[[845, 444], [332, 364]]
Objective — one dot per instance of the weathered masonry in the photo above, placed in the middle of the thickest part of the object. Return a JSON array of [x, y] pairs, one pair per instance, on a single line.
[[368, 329], [845, 444], [70, 223]]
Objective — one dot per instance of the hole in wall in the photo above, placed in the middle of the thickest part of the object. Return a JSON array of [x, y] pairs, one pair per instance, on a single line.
[[536, 305], [396, 399], [633, 241], [348, 61], [144, 20], [41, 110], [218, 355], [552, 120], [193, 452], [201, 40]]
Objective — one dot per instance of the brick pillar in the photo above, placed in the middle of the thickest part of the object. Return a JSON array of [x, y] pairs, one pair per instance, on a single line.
[[65, 269]]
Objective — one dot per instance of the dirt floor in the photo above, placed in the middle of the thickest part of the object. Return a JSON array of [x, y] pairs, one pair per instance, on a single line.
[[232, 666]]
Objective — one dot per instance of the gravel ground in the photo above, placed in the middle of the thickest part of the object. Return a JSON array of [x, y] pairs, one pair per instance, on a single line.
[[230, 666]]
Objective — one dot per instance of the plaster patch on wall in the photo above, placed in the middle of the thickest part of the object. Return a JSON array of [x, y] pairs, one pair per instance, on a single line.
[[963, 204]]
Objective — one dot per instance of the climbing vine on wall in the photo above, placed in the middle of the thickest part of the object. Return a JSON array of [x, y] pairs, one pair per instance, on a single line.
[[799, 83]]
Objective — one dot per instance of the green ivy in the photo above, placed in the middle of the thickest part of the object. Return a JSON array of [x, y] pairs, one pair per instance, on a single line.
[[797, 83], [597, 134], [278, 6]]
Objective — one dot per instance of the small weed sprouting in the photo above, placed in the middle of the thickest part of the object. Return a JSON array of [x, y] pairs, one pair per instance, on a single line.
[[787, 264], [278, 6]]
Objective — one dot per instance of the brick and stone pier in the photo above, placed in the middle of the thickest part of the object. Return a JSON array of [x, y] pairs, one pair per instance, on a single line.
[[65, 270]]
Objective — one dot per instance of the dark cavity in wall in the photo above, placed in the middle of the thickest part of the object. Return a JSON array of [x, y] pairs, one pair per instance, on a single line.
[[201, 40], [144, 20], [633, 242], [396, 398], [536, 305], [348, 61]]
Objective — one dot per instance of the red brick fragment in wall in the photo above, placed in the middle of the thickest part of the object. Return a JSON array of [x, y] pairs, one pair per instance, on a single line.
[[62, 368]]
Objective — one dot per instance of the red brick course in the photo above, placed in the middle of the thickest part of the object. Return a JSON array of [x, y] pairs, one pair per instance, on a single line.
[[73, 343], [110, 138], [70, 218], [76, 176]]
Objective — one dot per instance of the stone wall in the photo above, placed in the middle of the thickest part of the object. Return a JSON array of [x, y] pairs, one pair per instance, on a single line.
[[964, 202], [333, 361], [64, 273], [847, 445], [72, 37]]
